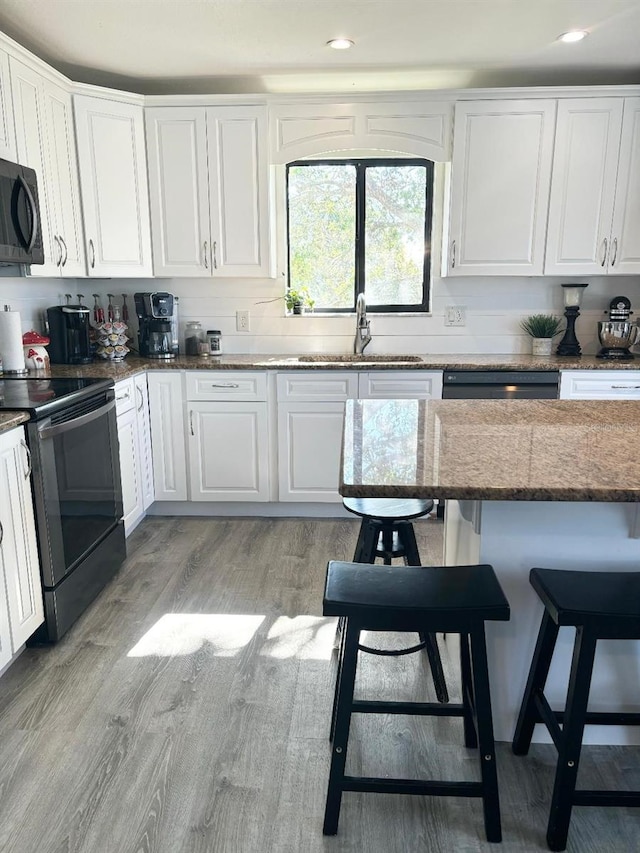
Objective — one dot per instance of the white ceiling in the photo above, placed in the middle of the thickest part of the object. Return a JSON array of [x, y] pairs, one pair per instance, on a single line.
[[167, 46]]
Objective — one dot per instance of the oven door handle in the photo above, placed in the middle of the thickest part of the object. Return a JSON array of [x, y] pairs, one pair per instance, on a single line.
[[58, 429]]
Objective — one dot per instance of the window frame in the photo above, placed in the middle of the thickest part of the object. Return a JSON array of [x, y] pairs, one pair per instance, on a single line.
[[361, 165]]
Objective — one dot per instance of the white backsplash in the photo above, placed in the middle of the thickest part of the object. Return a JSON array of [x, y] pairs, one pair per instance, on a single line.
[[494, 308]]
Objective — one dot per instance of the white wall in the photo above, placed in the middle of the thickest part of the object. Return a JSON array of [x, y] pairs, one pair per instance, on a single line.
[[31, 296]]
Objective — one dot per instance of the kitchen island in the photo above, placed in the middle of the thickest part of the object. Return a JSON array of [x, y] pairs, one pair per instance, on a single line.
[[554, 484]]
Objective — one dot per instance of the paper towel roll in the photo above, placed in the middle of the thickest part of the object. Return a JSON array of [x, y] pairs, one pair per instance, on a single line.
[[11, 351]]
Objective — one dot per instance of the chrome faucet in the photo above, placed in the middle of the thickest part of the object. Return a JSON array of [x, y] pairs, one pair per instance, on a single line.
[[363, 326]]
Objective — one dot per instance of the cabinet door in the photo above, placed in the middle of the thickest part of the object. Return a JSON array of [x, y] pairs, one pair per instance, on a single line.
[[130, 469], [239, 191], [113, 185], [18, 550], [64, 182], [500, 176], [583, 186], [625, 233], [228, 451], [166, 412], [30, 114], [178, 192], [7, 129], [309, 447], [144, 437]]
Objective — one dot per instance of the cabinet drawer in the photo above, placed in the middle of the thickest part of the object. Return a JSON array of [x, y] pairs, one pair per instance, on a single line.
[[318, 386], [125, 396], [225, 385], [600, 385], [408, 384]]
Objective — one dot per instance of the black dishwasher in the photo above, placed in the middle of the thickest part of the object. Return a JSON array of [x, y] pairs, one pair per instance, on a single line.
[[500, 385]]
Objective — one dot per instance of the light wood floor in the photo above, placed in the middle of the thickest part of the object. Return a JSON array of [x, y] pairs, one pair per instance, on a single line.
[[188, 711]]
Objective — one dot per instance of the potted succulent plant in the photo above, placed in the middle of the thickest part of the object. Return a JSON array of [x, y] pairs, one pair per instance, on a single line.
[[298, 301], [542, 328]]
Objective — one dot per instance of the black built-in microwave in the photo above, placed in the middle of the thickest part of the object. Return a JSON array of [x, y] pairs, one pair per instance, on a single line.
[[20, 223]]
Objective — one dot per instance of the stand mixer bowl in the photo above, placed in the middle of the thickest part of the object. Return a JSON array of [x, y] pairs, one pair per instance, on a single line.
[[618, 336]]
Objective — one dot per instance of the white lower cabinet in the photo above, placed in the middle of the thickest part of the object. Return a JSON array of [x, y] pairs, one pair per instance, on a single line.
[[600, 385], [21, 604], [166, 411], [134, 437], [310, 420], [228, 436]]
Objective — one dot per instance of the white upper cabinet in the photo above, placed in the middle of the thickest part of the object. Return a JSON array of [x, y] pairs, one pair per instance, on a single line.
[[500, 176], [113, 183], [589, 183], [7, 130], [209, 190], [46, 143]]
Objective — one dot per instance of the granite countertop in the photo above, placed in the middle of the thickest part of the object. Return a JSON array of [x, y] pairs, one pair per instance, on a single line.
[[257, 361], [525, 450], [9, 420]]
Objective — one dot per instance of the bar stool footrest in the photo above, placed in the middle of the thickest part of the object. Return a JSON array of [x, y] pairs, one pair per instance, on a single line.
[[395, 653], [425, 709], [431, 788], [606, 798]]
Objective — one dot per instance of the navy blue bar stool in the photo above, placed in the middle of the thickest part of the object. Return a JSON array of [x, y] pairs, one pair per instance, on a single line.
[[387, 533], [455, 599], [600, 606]]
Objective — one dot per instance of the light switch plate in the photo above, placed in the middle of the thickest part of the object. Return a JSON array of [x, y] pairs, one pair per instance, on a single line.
[[455, 315]]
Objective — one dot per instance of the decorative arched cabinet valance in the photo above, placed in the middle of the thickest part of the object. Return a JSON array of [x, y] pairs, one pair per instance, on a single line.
[[415, 128]]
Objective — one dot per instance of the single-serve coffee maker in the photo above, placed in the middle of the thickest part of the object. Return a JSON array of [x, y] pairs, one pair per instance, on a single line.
[[157, 324], [69, 334], [617, 334]]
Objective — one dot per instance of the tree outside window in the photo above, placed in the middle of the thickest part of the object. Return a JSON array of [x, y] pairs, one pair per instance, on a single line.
[[361, 226]]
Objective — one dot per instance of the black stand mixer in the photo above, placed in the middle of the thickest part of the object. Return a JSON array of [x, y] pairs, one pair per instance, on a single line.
[[617, 334]]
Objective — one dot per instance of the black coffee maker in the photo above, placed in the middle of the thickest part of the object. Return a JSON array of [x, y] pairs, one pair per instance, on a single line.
[[69, 333], [157, 324]]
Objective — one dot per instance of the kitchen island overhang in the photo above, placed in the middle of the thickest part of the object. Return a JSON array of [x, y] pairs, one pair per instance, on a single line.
[[554, 484]]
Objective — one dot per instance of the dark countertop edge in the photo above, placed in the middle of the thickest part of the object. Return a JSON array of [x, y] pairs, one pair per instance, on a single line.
[[10, 420], [284, 362], [468, 493]]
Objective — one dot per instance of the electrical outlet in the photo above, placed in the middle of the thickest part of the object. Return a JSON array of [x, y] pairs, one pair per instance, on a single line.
[[242, 320], [455, 315]]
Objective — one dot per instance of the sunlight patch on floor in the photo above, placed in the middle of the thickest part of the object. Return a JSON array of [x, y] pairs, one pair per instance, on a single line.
[[176, 634], [304, 637]]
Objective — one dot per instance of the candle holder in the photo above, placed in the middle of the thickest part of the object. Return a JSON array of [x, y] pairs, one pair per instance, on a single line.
[[572, 295]]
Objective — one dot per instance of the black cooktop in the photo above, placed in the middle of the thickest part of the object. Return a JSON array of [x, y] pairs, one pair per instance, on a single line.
[[41, 397]]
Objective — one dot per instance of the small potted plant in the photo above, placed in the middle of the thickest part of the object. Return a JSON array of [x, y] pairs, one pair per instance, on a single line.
[[298, 301], [542, 328]]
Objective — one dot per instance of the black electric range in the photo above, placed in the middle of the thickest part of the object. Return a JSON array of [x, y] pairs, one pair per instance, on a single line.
[[42, 397], [72, 440]]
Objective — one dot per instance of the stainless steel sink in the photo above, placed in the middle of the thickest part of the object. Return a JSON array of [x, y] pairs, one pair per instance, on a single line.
[[360, 358]]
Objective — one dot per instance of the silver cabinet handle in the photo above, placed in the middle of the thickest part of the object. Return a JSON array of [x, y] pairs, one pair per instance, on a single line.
[[225, 385], [1, 533], [191, 422], [604, 252], [215, 255], [625, 387], [92, 249], [205, 252], [27, 473], [59, 245], [125, 396], [141, 406], [614, 250], [66, 251], [453, 254]]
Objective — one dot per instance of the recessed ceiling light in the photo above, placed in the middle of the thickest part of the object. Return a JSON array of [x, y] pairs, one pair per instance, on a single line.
[[340, 44], [573, 35]]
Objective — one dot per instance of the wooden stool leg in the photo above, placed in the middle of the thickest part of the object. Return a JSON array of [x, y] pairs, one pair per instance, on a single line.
[[342, 725], [358, 553], [408, 543], [470, 738], [540, 663], [387, 543], [370, 533], [572, 730], [486, 746], [342, 625]]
